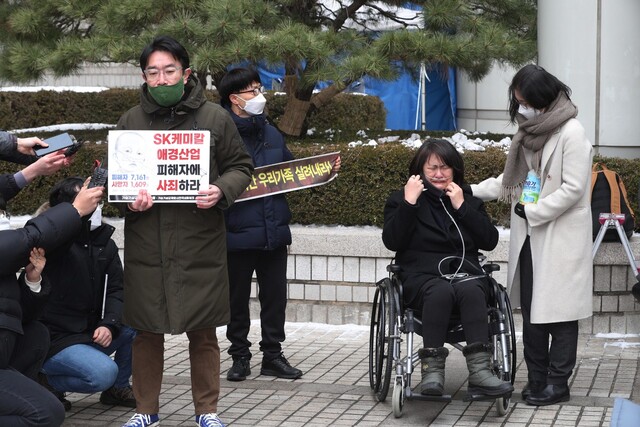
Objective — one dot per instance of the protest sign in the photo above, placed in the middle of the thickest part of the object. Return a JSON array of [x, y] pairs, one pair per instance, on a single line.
[[290, 176], [171, 165]]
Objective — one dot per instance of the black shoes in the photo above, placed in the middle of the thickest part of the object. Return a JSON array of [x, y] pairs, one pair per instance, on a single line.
[[118, 396], [532, 387], [240, 369], [42, 380], [550, 395], [279, 367]]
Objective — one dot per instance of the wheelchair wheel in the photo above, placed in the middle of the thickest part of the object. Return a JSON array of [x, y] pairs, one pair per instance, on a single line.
[[512, 335], [502, 403], [504, 362], [398, 398], [381, 342]]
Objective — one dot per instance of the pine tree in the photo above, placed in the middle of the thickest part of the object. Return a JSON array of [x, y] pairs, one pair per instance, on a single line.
[[311, 41]]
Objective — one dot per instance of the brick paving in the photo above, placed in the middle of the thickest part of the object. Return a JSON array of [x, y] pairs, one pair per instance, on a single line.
[[335, 387]]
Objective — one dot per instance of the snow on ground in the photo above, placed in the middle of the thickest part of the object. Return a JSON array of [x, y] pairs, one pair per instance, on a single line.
[[463, 140], [64, 127]]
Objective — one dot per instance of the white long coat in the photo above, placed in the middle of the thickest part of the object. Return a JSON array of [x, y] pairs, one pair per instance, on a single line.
[[561, 233]]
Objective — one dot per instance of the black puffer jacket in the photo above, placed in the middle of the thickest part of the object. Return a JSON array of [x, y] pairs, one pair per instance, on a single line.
[[423, 235], [9, 152], [77, 274], [48, 231], [262, 223]]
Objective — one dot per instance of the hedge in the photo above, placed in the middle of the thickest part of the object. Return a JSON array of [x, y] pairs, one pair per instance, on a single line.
[[355, 198], [22, 110]]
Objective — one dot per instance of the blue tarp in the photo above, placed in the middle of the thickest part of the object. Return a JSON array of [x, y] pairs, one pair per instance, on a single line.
[[400, 98]]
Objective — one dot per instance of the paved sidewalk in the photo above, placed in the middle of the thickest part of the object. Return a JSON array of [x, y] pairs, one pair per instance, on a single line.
[[335, 387]]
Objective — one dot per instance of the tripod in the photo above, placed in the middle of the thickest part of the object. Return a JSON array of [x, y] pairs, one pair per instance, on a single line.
[[612, 220]]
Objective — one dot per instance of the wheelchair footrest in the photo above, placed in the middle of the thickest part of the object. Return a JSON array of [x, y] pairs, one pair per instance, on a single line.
[[480, 397], [431, 398]]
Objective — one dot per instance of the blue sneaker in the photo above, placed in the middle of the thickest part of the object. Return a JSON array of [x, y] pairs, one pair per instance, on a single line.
[[208, 420], [143, 420]]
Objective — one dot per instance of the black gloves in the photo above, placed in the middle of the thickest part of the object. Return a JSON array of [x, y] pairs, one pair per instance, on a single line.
[[518, 209]]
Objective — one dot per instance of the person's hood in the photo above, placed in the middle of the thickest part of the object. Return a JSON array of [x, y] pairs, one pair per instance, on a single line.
[[248, 126]]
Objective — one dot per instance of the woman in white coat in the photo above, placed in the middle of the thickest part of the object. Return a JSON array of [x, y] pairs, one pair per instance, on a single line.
[[550, 272]]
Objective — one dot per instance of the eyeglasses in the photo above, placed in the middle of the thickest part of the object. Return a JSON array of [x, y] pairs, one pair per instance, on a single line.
[[169, 72], [255, 91], [434, 169]]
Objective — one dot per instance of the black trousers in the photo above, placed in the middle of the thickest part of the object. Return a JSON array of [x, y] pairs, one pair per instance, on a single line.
[[551, 364], [24, 402], [439, 299], [271, 272]]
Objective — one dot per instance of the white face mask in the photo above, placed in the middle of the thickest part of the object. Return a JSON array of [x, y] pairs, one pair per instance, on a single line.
[[96, 218], [528, 113], [254, 106]]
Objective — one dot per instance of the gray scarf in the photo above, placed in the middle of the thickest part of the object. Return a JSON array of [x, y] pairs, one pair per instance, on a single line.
[[533, 134]]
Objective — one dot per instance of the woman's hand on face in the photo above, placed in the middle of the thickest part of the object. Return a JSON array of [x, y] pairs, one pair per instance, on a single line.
[[454, 192], [413, 189]]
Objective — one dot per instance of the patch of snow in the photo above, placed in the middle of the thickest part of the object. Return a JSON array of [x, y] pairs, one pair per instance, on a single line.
[[65, 127], [622, 344], [53, 88], [460, 140], [613, 335]]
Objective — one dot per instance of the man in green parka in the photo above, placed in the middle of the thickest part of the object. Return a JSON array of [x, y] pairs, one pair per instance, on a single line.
[[175, 272]]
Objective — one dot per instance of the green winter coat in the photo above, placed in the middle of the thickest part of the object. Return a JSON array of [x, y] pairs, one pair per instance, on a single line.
[[175, 270]]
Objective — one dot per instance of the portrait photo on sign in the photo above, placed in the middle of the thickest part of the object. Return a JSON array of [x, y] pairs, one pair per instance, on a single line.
[[171, 165]]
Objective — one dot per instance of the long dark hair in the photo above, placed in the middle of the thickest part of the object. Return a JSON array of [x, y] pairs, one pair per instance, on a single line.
[[537, 86], [445, 151]]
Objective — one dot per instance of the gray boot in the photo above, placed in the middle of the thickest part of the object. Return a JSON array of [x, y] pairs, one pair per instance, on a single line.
[[432, 364], [482, 381]]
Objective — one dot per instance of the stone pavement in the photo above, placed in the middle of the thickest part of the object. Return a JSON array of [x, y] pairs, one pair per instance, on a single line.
[[335, 387]]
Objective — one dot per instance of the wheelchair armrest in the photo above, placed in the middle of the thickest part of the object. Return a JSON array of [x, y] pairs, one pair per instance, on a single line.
[[490, 268], [394, 268]]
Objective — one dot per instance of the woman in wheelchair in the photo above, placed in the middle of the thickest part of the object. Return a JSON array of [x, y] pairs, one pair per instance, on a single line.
[[436, 228]]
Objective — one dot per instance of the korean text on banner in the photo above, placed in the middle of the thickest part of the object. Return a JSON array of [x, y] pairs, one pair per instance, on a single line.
[[290, 176]]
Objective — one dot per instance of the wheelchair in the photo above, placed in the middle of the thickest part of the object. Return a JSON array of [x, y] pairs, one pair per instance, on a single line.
[[390, 321]]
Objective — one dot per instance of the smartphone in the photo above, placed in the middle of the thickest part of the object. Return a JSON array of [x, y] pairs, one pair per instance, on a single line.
[[74, 148], [58, 142]]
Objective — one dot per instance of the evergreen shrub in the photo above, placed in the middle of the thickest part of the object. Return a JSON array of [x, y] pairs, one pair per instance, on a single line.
[[21, 110], [355, 198]]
